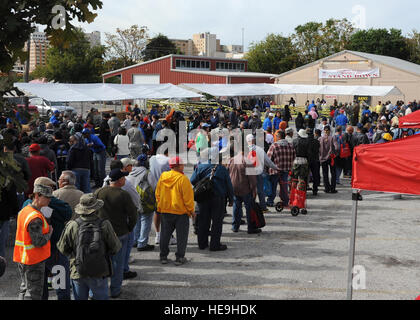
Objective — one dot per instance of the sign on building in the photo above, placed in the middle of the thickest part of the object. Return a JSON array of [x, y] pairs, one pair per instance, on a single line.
[[365, 99], [348, 74]]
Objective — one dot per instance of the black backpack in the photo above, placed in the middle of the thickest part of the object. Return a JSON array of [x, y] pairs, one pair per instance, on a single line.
[[203, 190], [91, 257]]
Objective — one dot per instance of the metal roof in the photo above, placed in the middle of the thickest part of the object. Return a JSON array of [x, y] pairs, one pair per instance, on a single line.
[[389, 61]]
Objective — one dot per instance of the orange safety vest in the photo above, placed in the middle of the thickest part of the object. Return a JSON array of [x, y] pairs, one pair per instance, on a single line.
[[25, 252]]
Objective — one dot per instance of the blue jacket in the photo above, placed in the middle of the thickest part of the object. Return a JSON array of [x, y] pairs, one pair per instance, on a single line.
[[222, 185], [276, 123], [98, 146], [54, 120], [341, 120], [267, 124]]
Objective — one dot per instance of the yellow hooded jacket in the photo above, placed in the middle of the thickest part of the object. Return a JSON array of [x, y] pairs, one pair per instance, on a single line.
[[174, 194]]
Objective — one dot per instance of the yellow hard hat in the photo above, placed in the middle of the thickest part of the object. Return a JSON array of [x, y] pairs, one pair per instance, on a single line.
[[387, 137]]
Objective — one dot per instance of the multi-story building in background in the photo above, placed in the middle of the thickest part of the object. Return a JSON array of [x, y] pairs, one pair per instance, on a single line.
[[207, 44], [39, 45]]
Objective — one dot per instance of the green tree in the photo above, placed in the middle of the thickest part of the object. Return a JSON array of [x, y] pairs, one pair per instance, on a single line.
[[78, 63], [18, 19], [413, 42], [381, 41], [317, 40], [127, 44], [275, 54], [159, 46]]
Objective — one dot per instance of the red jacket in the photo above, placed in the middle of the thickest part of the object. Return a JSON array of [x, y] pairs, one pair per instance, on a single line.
[[40, 166]]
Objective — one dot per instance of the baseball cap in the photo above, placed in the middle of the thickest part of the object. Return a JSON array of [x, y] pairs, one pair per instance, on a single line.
[[141, 159], [34, 147], [117, 174], [43, 190], [387, 137], [128, 162], [174, 161], [359, 125], [86, 130], [249, 138]]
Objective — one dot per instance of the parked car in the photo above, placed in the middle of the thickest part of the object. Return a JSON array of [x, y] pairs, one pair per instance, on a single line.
[[47, 108]]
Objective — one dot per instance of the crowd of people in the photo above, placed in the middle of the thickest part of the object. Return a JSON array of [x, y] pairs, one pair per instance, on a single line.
[[77, 215]]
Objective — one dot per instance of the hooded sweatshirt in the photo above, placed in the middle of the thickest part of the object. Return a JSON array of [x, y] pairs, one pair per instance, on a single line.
[[174, 194]]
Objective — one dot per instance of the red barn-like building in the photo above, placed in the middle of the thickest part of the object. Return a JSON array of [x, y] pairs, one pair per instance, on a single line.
[[177, 69]]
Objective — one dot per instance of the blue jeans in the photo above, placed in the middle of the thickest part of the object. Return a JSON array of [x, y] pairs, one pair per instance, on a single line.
[[4, 235], [260, 191], [118, 266], [83, 180], [57, 259], [97, 286], [274, 181], [237, 210], [127, 254], [99, 161], [142, 229]]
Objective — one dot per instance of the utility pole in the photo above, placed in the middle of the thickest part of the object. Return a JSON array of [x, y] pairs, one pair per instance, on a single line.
[[243, 43], [28, 49]]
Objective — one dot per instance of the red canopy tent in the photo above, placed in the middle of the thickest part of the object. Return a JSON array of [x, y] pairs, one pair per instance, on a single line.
[[392, 167], [410, 121]]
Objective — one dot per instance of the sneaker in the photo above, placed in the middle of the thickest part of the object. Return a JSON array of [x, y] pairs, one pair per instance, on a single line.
[[157, 239], [172, 241], [129, 275], [164, 260], [180, 261], [235, 230], [148, 247]]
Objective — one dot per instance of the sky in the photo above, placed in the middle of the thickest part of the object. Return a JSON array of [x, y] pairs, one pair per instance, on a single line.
[[226, 18]]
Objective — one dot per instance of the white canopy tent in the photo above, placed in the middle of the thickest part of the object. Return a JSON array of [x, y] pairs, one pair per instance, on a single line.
[[377, 91], [235, 90], [265, 89], [92, 92]]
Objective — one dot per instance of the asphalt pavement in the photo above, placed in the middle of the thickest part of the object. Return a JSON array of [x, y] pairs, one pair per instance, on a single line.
[[304, 257]]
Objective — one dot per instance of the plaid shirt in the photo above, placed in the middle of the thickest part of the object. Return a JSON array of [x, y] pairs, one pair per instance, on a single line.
[[283, 154]]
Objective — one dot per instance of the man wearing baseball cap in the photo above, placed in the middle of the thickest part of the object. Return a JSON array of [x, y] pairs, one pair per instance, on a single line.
[[120, 210], [32, 245], [39, 165], [175, 203]]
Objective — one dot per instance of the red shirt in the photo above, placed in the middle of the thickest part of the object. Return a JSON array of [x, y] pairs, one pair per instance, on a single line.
[[39, 166]]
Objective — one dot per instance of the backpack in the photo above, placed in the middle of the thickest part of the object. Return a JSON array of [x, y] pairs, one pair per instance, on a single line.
[[203, 190], [91, 257], [147, 195]]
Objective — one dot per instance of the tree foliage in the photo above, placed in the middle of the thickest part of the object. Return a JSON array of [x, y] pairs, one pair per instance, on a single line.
[[18, 19], [381, 41], [127, 44], [78, 63], [275, 54], [317, 40], [159, 46]]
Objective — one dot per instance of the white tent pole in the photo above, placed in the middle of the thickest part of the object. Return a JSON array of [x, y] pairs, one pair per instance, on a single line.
[[352, 245]]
